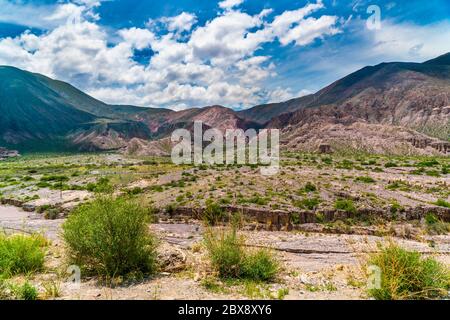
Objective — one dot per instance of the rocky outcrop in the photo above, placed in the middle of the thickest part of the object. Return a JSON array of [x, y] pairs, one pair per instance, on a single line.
[[6, 154], [277, 220], [423, 143]]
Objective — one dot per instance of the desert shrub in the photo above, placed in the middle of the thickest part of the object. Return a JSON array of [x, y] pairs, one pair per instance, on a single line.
[[51, 214], [135, 191], [213, 213], [110, 236], [231, 260], [407, 275], [390, 164], [428, 163], [396, 207], [157, 188], [260, 265], [433, 173], [21, 254], [436, 226], [43, 184], [226, 253], [261, 201], [308, 203], [399, 185], [295, 219], [54, 178], [346, 205], [445, 170], [443, 203], [25, 291], [365, 179], [101, 186], [309, 187]]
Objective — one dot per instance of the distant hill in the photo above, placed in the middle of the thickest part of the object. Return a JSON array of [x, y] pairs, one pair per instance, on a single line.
[[383, 93], [410, 96]]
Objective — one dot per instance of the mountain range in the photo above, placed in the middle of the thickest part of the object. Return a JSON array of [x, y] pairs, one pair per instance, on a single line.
[[387, 108]]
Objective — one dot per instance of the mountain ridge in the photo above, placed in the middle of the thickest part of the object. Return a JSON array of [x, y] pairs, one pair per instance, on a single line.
[[411, 96]]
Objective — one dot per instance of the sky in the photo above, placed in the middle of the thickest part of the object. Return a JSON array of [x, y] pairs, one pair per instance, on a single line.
[[180, 54]]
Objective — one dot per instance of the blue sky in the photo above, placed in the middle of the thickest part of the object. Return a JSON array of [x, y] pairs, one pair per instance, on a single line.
[[238, 53]]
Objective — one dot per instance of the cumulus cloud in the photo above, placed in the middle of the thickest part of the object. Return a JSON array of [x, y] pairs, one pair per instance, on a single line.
[[228, 4], [213, 63], [409, 41]]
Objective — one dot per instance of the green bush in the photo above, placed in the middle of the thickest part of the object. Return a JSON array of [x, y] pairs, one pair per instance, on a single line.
[[110, 236], [391, 165], [226, 253], [309, 187], [436, 226], [407, 275], [346, 205], [308, 203], [260, 265], [443, 203], [428, 163], [231, 260], [55, 178], [101, 186], [213, 213], [20, 254], [25, 292], [365, 180]]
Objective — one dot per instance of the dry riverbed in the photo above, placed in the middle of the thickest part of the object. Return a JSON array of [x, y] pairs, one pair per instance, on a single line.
[[315, 265]]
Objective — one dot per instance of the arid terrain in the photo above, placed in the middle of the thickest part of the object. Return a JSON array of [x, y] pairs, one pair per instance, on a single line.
[[320, 216]]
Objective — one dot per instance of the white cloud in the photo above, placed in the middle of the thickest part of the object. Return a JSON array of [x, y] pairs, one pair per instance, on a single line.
[[229, 4], [180, 23], [280, 95], [215, 63], [46, 16], [408, 41], [310, 29]]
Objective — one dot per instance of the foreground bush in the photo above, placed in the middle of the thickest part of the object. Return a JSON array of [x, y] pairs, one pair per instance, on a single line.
[[110, 236], [11, 291], [231, 260], [21, 254], [407, 275]]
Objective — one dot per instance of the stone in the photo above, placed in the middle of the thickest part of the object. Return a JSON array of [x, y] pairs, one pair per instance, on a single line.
[[325, 149]]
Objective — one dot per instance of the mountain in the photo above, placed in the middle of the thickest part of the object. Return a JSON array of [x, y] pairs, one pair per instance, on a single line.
[[391, 107], [385, 87], [41, 114], [412, 97]]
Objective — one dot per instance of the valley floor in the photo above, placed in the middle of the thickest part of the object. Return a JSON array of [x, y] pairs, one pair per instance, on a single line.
[[320, 259]]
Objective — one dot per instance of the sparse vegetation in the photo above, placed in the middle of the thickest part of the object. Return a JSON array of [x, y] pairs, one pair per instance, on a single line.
[[346, 205], [308, 203], [443, 203], [213, 213], [231, 260], [109, 236], [436, 226], [407, 275], [310, 187], [21, 254], [365, 179]]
